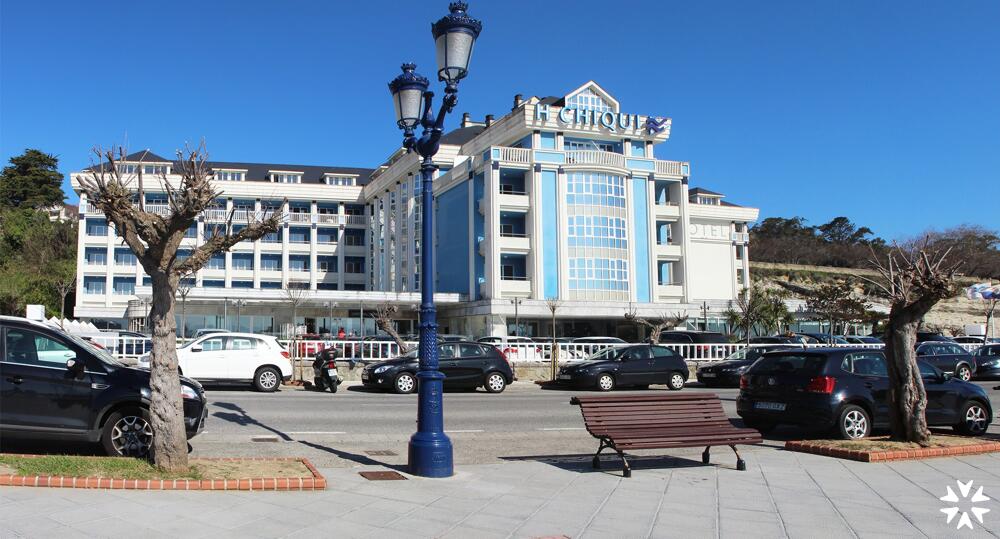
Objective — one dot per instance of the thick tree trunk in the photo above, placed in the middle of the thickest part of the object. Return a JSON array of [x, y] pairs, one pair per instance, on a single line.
[[907, 397], [166, 408]]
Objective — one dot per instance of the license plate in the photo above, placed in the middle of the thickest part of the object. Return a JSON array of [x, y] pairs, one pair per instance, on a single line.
[[364, 376], [331, 372], [776, 406], [708, 375], [564, 377]]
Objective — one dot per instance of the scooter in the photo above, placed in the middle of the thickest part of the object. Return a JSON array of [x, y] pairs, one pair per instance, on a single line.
[[325, 374]]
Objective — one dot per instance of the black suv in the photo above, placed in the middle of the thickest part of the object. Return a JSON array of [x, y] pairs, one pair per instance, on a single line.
[[846, 390], [949, 357], [464, 364], [638, 365], [56, 386]]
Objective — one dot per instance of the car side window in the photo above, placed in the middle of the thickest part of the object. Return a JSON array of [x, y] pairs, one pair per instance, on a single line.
[[955, 349], [213, 345], [242, 343], [926, 371], [32, 348], [472, 350], [865, 364], [659, 351], [638, 353], [447, 351]]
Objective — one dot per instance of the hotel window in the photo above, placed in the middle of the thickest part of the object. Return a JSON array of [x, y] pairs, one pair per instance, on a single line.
[[354, 264], [217, 262], [97, 227], [154, 169], [183, 254], [96, 256], [339, 180], [270, 285], [326, 286], [213, 283], [739, 252], [739, 277], [242, 284], [93, 285], [354, 209], [598, 274], [272, 237], [298, 263], [286, 178], [298, 285], [230, 176], [270, 262], [326, 235], [354, 286], [124, 257], [638, 148], [126, 169], [156, 199], [242, 261], [588, 144], [547, 140], [298, 235], [354, 237], [326, 263], [710, 201], [191, 232], [124, 286], [147, 281], [588, 99]]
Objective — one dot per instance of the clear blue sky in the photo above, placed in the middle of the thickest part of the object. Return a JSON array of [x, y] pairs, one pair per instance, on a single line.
[[887, 112]]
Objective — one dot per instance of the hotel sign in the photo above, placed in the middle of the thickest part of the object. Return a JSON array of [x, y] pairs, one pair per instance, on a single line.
[[613, 121]]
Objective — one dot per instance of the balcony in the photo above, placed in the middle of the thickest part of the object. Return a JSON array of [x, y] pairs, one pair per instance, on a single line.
[[515, 287], [668, 250], [669, 291], [514, 243], [669, 210], [595, 157], [520, 157], [741, 237]]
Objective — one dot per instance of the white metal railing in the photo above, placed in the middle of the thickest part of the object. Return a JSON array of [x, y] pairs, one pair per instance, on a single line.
[[672, 168], [595, 157], [328, 219], [355, 219], [121, 347], [294, 217], [162, 210], [512, 155], [741, 237]]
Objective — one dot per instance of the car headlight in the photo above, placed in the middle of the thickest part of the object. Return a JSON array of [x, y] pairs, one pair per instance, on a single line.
[[380, 370], [145, 392], [188, 392]]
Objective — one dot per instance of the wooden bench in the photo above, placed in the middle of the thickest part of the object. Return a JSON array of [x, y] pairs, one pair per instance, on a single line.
[[629, 422]]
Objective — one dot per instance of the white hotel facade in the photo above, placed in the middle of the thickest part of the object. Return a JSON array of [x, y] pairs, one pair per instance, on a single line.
[[559, 199]]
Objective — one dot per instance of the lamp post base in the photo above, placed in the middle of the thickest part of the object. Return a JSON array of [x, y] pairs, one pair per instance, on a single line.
[[430, 450]]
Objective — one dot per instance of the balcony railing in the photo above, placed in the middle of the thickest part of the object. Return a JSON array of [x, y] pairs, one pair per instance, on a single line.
[[741, 237], [672, 168], [512, 155], [595, 157]]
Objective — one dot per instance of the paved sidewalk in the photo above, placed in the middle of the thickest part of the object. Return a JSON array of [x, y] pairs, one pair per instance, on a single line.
[[783, 494]]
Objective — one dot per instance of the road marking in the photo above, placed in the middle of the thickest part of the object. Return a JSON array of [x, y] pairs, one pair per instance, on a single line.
[[469, 430], [318, 432], [561, 428]]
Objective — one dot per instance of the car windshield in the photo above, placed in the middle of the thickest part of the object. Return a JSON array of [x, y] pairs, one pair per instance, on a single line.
[[101, 353], [750, 352], [605, 354], [789, 364]]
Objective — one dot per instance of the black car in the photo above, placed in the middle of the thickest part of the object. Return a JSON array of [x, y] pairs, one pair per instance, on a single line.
[[777, 339], [949, 357], [639, 365], [726, 373], [56, 386], [987, 361], [846, 390], [925, 336], [464, 364]]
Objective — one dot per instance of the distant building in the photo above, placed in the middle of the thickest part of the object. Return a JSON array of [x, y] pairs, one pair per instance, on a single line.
[[63, 212], [561, 198]]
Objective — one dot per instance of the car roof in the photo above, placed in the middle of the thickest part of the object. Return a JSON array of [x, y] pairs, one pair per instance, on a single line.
[[27, 321], [236, 334]]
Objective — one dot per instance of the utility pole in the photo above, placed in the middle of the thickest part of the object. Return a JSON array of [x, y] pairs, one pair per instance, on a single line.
[[331, 305], [517, 319], [239, 303], [704, 313], [362, 332]]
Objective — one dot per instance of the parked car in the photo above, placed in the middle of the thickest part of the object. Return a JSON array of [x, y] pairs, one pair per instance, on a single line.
[[226, 358], [846, 390], [464, 364], [638, 365], [822, 338], [726, 373], [702, 338], [987, 361], [862, 339], [975, 339], [924, 336], [516, 348], [132, 343], [57, 386], [777, 339], [949, 357]]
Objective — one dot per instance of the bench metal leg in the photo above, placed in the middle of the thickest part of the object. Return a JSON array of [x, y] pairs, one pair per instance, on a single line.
[[596, 463], [705, 456], [626, 469], [741, 464]]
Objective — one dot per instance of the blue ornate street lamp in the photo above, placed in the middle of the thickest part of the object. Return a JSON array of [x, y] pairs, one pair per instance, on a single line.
[[430, 451]]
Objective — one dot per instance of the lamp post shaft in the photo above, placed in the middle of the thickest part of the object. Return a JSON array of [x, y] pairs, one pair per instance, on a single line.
[[430, 450]]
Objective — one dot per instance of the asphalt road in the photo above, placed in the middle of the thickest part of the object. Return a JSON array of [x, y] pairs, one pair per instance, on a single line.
[[357, 426]]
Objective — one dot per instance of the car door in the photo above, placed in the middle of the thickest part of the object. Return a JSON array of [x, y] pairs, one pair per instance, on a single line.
[[471, 362], [242, 357], [871, 370], [955, 354], [634, 367], [38, 392], [942, 400], [664, 361], [204, 360], [448, 364]]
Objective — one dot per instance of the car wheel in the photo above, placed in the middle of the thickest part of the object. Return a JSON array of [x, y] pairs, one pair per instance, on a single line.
[[759, 425], [495, 383], [854, 423], [963, 373], [404, 383], [676, 382], [605, 382], [974, 419], [127, 433], [267, 379]]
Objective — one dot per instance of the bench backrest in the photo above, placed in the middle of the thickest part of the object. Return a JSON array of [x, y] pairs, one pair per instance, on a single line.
[[682, 411]]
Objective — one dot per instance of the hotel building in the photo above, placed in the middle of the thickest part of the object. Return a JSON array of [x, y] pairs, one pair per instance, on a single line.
[[561, 199]]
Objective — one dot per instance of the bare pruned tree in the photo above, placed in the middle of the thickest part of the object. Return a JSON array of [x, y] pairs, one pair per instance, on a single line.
[[914, 281], [656, 324], [384, 315], [553, 305], [64, 282], [154, 238]]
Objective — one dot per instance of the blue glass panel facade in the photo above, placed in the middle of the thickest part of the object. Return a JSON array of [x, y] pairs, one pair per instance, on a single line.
[[549, 204], [639, 200], [453, 242]]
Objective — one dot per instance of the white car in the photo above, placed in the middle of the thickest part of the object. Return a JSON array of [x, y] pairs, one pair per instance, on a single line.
[[234, 357]]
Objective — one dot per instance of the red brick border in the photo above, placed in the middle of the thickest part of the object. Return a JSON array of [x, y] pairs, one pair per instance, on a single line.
[[314, 482], [885, 455]]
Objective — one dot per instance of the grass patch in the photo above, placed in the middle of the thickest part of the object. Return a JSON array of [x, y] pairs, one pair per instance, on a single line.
[[130, 468], [883, 443]]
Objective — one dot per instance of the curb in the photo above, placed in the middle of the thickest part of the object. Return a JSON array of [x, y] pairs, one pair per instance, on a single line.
[[900, 454], [315, 482]]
